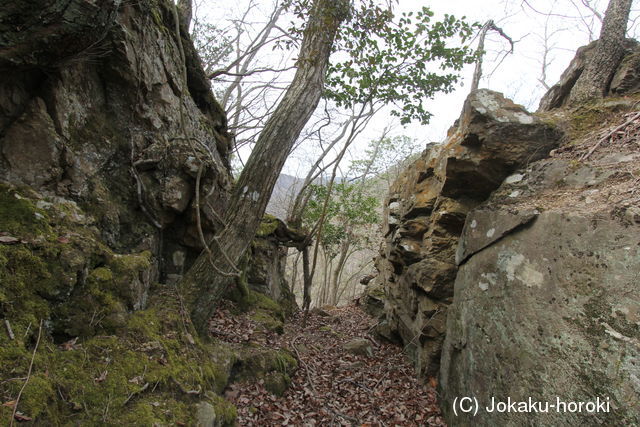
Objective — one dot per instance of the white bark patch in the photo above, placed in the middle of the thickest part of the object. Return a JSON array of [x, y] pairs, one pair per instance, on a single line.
[[474, 224], [491, 232]]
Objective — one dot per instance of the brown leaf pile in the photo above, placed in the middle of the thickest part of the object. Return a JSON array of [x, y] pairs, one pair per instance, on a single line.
[[332, 386]]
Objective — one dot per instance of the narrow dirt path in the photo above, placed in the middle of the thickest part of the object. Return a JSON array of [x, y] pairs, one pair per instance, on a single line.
[[333, 387]]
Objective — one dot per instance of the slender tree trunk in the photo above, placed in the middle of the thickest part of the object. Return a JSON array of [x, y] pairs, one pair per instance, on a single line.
[[335, 280], [489, 25], [294, 271], [477, 73], [595, 79], [207, 279]]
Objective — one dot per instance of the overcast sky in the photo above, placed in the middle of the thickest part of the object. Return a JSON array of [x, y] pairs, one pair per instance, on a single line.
[[517, 75]]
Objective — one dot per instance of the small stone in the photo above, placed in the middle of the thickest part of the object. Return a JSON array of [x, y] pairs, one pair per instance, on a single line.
[[632, 214], [516, 177], [43, 205], [359, 346], [206, 415]]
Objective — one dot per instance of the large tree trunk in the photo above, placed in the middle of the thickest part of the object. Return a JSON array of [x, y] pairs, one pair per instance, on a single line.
[[596, 77], [203, 284]]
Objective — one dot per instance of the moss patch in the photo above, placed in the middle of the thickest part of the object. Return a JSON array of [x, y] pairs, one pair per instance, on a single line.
[[268, 226], [155, 370], [19, 215], [98, 362], [272, 366]]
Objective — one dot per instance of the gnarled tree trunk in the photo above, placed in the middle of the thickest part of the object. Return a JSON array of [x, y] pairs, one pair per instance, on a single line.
[[596, 77], [204, 283]]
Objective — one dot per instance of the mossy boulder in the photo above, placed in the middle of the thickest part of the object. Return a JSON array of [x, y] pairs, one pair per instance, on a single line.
[[263, 270], [274, 367]]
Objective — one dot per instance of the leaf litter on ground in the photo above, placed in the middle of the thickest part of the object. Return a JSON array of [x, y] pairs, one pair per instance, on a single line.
[[331, 386]]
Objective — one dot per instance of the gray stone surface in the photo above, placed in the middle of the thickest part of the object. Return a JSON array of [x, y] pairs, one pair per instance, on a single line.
[[551, 310], [546, 302], [359, 346]]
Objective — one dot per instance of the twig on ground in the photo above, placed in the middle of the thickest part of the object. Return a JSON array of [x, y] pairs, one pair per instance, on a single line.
[[608, 135], [306, 367], [9, 330], [26, 381], [134, 393]]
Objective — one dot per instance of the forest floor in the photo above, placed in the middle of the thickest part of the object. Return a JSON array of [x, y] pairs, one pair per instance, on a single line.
[[332, 386]]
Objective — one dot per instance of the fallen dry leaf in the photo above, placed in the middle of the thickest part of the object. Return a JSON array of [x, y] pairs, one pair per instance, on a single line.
[[19, 416], [9, 240], [331, 386]]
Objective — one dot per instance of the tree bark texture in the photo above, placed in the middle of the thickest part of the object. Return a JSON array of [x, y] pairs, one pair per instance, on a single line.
[[43, 33], [203, 285], [335, 280], [596, 77]]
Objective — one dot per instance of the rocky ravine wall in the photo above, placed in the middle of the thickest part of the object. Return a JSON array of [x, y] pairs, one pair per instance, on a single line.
[[426, 211], [521, 281], [546, 301], [91, 108], [101, 145]]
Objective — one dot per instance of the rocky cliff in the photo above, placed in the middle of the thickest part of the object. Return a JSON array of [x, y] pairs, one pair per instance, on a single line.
[[110, 140], [426, 211], [510, 267]]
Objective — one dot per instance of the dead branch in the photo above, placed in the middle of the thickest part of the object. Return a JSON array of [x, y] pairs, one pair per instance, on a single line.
[[26, 381], [489, 25], [609, 135], [304, 364], [9, 330]]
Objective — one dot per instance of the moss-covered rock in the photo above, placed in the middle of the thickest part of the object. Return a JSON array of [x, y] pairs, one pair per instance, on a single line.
[[268, 226], [98, 361], [154, 370], [274, 367]]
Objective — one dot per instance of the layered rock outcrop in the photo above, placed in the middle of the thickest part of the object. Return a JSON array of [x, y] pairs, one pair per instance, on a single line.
[[266, 261], [426, 211], [625, 81], [534, 299], [546, 299]]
